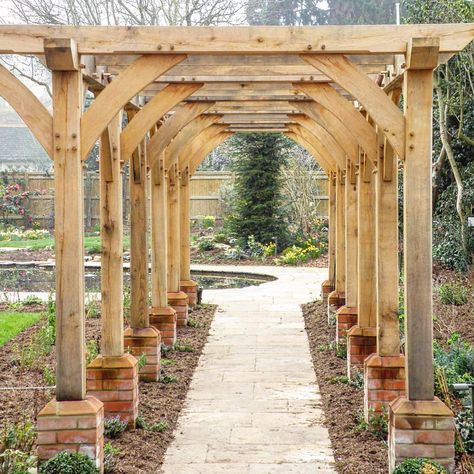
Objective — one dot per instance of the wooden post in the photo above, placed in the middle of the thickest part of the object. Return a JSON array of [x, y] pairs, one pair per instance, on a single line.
[[141, 338], [111, 233], [162, 316], [186, 285], [138, 239], [69, 236], [346, 316], [340, 285], [178, 300], [386, 183], [159, 236], [361, 340], [328, 285], [351, 235], [173, 230], [417, 225]]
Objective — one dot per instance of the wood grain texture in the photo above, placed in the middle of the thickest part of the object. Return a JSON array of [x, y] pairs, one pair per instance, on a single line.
[[212, 143], [35, 115], [351, 236], [68, 235], [340, 234], [114, 97], [173, 229]]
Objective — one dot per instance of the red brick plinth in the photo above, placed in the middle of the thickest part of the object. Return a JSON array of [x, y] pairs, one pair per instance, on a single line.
[[335, 301], [420, 429], [189, 287], [361, 342], [164, 319], [326, 288], [179, 302], [114, 381], [346, 317], [75, 426], [384, 380], [138, 341]]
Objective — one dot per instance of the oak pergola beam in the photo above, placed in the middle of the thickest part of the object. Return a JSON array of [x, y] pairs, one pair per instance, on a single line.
[[27, 39], [152, 113]]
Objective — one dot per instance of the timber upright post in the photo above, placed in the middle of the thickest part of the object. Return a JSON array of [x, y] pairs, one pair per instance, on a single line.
[[141, 338], [72, 420], [346, 316], [420, 425], [162, 316], [177, 299], [328, 285], [187, 285], [113, 375], [361, 340], [336, 298], [384, 371]]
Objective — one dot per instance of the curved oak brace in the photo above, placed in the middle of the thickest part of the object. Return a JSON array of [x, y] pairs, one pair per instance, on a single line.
[[162, 138], [128, 84], [151, 113], [332, 124], [309, 148], [185, 136], [199, 156], [360, 129], [35, 115], [197, 141], [379, 106], [322, 153], [324, 136]]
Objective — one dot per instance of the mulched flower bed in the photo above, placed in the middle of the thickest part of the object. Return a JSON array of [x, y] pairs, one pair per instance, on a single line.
[[141, 451], [356, 451]]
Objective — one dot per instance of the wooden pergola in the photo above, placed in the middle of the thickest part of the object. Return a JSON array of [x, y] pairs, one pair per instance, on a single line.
[[185, 90]]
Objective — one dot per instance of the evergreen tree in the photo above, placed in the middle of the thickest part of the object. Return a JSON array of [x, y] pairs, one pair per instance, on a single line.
[[361, 12], [258, 206]]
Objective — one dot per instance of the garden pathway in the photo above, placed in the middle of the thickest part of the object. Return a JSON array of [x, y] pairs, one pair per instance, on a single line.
[[254, 405]]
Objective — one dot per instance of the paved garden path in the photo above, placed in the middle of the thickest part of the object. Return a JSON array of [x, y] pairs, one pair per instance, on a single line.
[[254, 405]]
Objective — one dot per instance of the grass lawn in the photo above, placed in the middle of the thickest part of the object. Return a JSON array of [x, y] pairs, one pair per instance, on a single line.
[[13, 322], [91, 243]]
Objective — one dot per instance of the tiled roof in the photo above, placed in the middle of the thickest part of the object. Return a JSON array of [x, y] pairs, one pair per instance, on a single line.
[[19, 149]]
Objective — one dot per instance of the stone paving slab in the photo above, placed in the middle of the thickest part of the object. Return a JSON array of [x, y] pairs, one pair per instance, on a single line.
[[254, 406]]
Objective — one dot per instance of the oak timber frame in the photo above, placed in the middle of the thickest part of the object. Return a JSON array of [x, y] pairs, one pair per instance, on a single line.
[[317, 85]]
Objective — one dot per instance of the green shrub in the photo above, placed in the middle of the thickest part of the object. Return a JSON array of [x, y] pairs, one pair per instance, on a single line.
[[419, 466], [457, 361], [453, 293], [114, 427], [69, 463], [110, 458], [165, 378], [92, 350], [159, 427], [20, 436], [302, 252], [377, 424], [13, 461], [205, 244], [465, 426], [49, 376], [341, 350], [208, 222]]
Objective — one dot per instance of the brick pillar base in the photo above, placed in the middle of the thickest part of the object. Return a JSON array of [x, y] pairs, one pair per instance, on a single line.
[[420, 429], [384, 380], [361, 342], [346, 317], [179, 302], [335, 301], [326, 288], [114, 381], [75, 426], [164, 319], [189, 287], [146, 341]]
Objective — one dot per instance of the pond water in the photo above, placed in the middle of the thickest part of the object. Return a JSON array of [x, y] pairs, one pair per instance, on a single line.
[[41, 279]]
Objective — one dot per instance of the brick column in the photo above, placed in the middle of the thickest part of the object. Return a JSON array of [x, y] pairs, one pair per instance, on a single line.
[[384, 380], [147, 341], [114, 381], [421, 429], [361, 342], [189, 287], [75, 426], [179, 302], [326, 288], [346, 317], [164, 319]]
